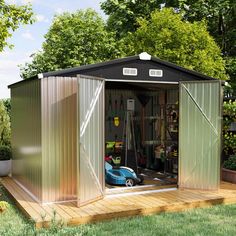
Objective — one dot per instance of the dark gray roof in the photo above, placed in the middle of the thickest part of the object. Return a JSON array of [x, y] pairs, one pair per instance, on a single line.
[[112, 70], [74, 70]]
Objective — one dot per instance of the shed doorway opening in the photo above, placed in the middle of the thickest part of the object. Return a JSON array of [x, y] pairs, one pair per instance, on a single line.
[[141, 135]]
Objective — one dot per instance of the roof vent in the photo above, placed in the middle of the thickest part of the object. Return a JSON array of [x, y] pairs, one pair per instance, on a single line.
[[144, 56], [40, 76], [130, 71], [155, 73]]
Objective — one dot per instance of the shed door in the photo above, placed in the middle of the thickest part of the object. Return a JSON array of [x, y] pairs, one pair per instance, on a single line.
[[91, 145], [200, 135]]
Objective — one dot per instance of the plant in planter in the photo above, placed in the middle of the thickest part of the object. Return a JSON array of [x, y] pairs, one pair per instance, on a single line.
[[5, 126], [230, 163], [229, 138], [5, 160], [229, 170]]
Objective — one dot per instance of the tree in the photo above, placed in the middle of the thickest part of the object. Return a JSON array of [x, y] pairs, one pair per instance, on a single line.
[[231, 71], [221, 20], [7, 104], [81, 38], [5, 130], [123, 14], [168, 36], [73, 39], [220, 16], [11, 17]]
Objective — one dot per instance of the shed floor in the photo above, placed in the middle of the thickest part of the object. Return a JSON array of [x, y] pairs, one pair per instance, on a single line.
[[119, 205]]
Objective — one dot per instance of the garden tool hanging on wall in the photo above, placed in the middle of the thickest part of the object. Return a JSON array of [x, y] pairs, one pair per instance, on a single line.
[[116, 119], [110, 112], [162, 102], [122, 108], [143, 99], [128, 137], [110, 103], [116, 106]]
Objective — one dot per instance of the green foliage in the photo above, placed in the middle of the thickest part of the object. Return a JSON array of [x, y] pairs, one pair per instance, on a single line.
[[73, 39], [55, 224], [13, 223], [7, 104], [229, 116], [5, 153], [229, 110], [123, 14], [229, 142], [231, 71], [168, 36], [5, 130], [82, 38], [221, 20], [230, 163], [11, 17], [220, 16]]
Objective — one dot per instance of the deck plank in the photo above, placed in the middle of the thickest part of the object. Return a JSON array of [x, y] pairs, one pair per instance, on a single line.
[[32, 206], [22, 202], [118, 206]]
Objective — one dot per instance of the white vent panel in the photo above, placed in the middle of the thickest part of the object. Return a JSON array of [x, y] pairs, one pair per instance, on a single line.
[[155, 73], [130, 71]]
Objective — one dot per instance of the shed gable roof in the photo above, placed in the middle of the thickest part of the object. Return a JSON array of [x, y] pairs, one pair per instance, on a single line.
[[126, 60], [113, 69]]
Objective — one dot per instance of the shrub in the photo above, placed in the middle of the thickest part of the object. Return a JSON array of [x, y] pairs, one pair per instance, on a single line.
[[5, 153], [229, 116], [5, 128], [7, 104], [230, 163]]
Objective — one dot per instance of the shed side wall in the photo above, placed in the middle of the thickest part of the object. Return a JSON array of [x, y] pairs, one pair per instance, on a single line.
[[59, 138], [26, 136]]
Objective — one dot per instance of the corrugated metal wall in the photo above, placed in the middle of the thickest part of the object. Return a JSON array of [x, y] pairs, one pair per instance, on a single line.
[[26, 136], [200, 135], [45, 137], [91, 155], [59, 138]]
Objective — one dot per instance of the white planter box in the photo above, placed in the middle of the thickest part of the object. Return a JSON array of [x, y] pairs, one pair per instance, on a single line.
[[5, 168]]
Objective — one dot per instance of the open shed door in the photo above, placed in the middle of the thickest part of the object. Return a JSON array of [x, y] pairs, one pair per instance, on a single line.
[[91, 139], [200, 134]]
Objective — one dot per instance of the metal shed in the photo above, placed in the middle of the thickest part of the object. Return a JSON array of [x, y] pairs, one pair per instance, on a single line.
[[58, 126]]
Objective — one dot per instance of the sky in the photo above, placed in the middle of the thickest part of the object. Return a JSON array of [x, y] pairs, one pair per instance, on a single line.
[[28, 39]]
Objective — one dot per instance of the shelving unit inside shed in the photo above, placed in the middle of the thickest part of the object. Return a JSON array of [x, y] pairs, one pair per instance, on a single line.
[[155, 119]]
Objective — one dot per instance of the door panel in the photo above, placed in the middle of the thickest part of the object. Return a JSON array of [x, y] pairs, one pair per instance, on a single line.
[[91, 144], [200, 135]]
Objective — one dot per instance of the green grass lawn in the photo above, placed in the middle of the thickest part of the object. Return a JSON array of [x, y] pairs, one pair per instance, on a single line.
[[217, 220]]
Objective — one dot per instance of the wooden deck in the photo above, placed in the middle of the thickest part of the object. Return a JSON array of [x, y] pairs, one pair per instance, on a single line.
[[114, 206]]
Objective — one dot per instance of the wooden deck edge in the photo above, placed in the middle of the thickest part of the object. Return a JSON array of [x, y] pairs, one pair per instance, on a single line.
[[19, 205], [21, 208], [139, 211], [152, 210], [142, 212]]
